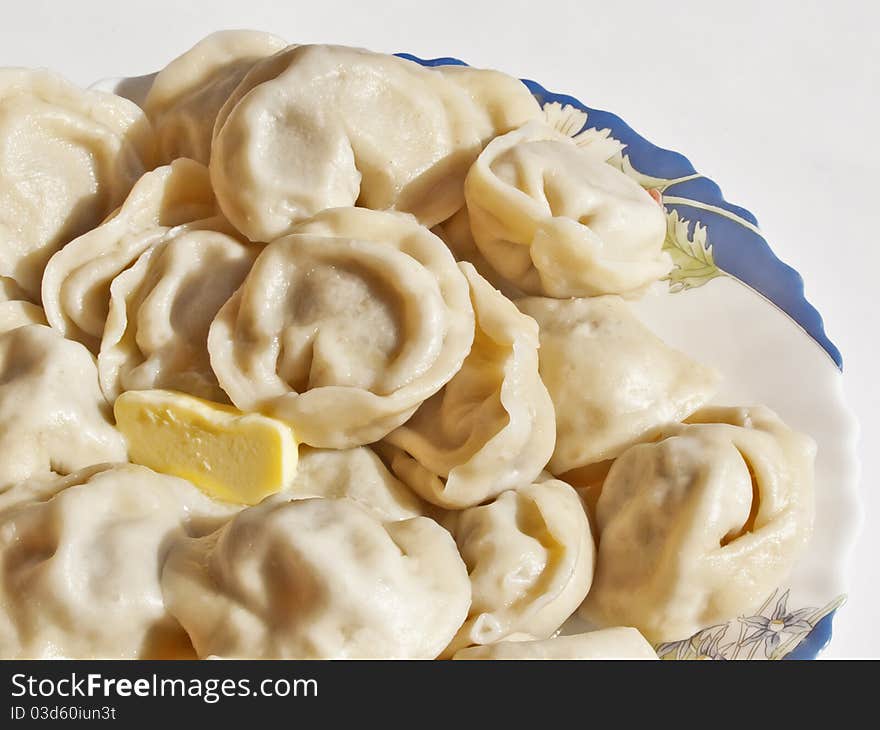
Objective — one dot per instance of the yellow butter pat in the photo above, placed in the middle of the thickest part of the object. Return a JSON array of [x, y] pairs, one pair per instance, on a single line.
[[230, 455]]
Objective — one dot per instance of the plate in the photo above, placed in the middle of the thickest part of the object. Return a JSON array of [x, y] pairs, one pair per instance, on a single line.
[[731, 303]]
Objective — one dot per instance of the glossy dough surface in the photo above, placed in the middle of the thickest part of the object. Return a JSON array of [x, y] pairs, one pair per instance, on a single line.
[[555, 220], [611, 379], [187, 94], [318, 578], [53, 417], [530, 559], [82, 557], [357, 474], [68, 156], [701, 526], [344, 328]]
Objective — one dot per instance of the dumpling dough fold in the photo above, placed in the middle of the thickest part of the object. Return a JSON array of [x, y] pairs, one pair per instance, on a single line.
[[318, 579], [345, 327], [156, 335], [530, 559], [555, 220], [701, 526], [76, 285], [491, 427]]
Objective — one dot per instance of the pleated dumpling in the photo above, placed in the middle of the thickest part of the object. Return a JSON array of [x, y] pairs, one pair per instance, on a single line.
[[187, 94], [620, 642], [68, 157], [345, 327], [356, 474], [76, 285], [530, 557], [491, 428], [81, 559], [156, 335], [701, 526], [555, 220], [317, 127], [53, 418], [318, 579], [611, 379]]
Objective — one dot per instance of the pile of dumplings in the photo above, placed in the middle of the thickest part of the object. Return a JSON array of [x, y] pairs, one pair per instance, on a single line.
[[428, 280]]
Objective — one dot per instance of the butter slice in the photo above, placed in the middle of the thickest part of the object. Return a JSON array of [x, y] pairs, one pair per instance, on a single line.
[[230, 455]]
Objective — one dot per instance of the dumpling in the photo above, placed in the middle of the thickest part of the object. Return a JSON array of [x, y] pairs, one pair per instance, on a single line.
[[621, 642], [456, 234], [530, 558], [701, 526], [611, 379], [79, 574], [490, 428], [344, 328], [68, 157], [186, 95], [501, 102], [317, 127], [53, 417], [76, 285], [555, 220], [156, 335], [318, 579], [357, 474]]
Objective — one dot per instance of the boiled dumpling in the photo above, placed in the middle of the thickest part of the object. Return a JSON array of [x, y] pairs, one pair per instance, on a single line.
[[701, 526], [186, 95], [555, 220], [357, 474], [530, 558], [621, 642], [344, 328], [501, 102], [81, 558], [53, 417], [76, 285], [317, 127], [456, 234], [156, 335], [68, 157], [318, 579], [611, 379], [491, 428]]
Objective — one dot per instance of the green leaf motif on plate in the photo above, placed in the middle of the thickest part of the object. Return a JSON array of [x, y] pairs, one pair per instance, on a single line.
[[693, 262]]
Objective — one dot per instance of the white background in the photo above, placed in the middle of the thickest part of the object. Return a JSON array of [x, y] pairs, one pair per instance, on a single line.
[[775, 101]]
